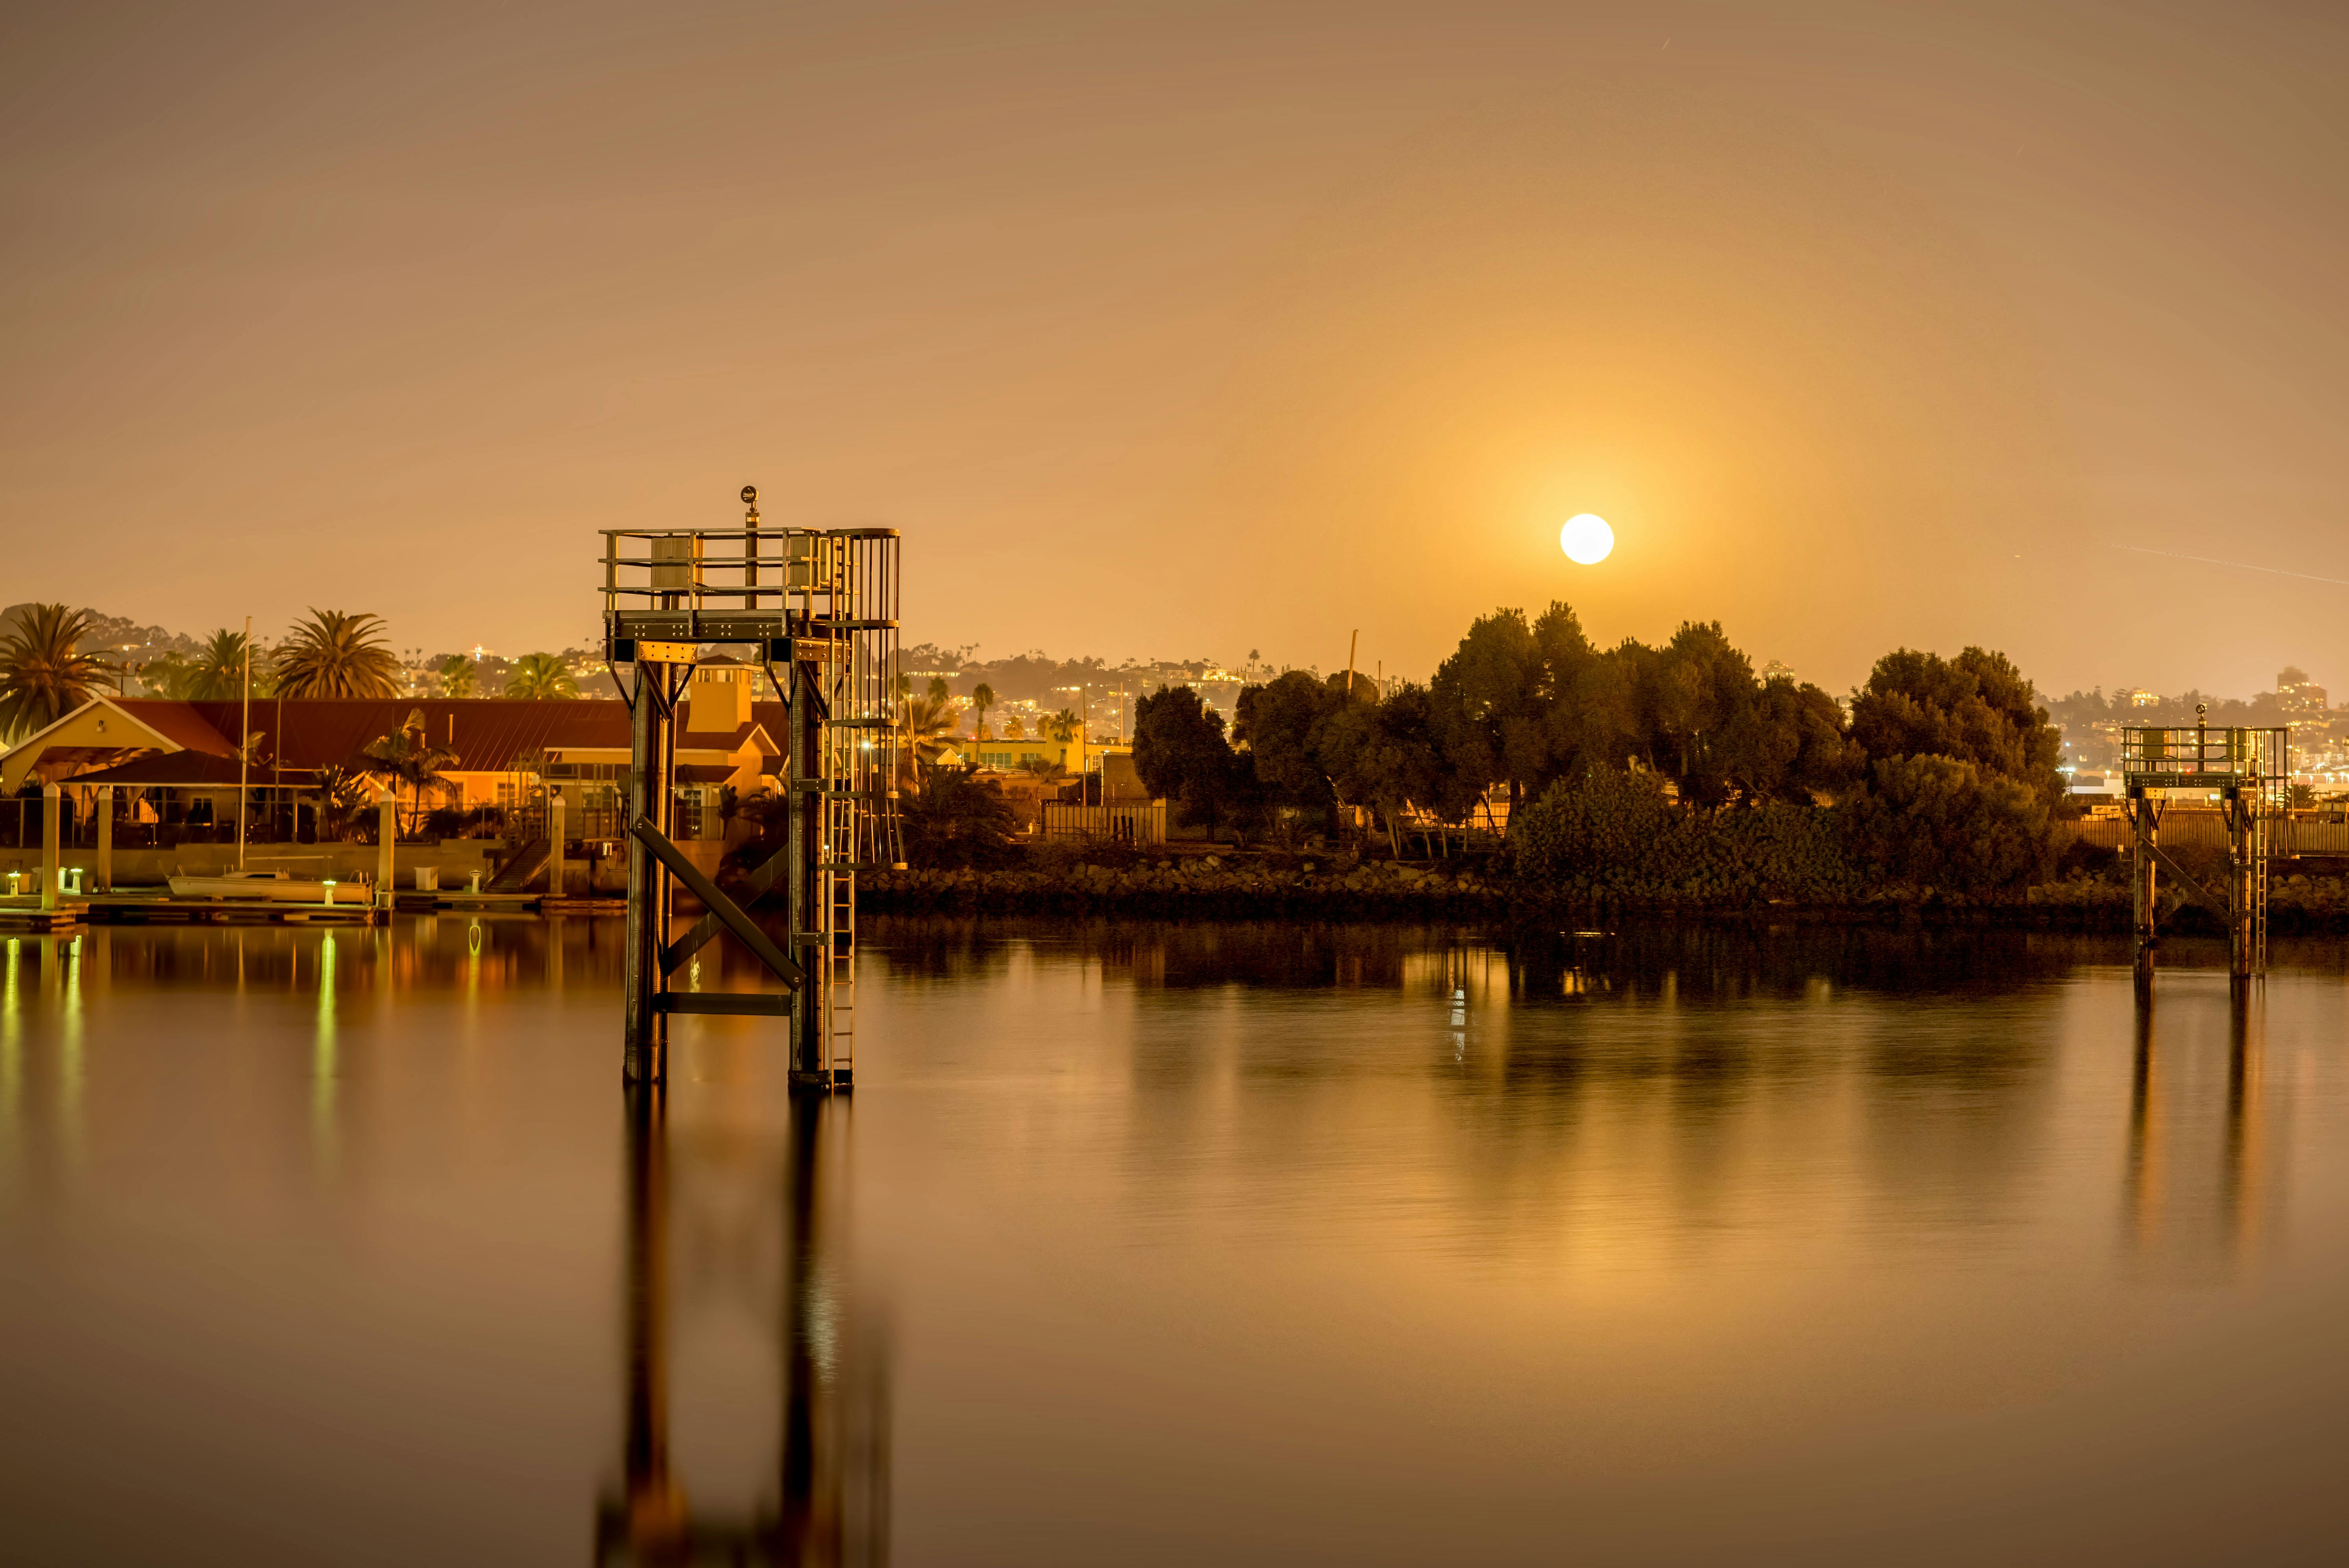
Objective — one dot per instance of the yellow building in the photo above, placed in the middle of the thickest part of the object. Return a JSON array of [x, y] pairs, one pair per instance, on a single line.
[[1076, 755]]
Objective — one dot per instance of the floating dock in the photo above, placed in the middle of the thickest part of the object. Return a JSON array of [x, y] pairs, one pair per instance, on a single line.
[[155, 909], [22, 914]]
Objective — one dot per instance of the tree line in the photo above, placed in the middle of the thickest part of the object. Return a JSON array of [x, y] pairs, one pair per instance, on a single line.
[[1942, 771], [45, 670]]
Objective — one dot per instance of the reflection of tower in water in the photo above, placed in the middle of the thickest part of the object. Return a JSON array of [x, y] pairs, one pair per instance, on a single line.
[[2184, 1195], [831, 1501]]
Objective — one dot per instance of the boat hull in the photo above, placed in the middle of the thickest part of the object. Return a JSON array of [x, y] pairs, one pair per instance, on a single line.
[[268, 890]]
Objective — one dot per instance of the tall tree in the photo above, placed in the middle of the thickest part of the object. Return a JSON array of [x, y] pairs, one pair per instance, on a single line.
[[332, 654], [1975, 708], [1789, 744], [1275, 722], [459, 677], [1385, 755], [1180, 752], [1486, 700], [540, 677], [1703, 686], [1566, 662], [1613, 705], [216, 674], [44, 674], [982, 698]]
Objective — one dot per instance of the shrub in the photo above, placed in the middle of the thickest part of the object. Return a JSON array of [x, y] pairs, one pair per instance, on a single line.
[[1615, 833], [1930, 822], [955, 818]]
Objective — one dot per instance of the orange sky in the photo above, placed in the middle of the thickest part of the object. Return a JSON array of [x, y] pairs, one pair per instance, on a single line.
[[1180, 330]]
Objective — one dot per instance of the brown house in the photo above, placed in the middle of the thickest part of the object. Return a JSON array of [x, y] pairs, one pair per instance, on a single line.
[[177, 761]]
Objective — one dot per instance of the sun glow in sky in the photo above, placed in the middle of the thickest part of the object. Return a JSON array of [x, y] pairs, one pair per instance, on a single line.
[[1885, 328]]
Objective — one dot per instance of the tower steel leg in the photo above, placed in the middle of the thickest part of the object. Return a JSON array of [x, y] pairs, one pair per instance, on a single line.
[[806, 824], [644, 1057], [2239, 850]]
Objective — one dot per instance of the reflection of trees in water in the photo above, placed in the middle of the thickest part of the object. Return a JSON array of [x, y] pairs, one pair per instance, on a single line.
[[1737, 963], [1714, 962], [728, 1215], [1709, 1058], [1169, 955]]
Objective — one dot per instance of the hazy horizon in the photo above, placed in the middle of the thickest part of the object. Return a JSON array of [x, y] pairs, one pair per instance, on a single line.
[[1201, 328]]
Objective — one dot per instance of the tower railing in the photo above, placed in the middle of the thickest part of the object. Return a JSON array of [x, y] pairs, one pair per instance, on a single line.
[[2194, 750]]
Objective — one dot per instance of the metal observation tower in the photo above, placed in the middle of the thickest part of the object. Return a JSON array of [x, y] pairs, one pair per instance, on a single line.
[[2251, 772], [818, 610]]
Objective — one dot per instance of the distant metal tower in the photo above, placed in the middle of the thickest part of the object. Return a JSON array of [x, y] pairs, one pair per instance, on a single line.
[[2251, 772], [819, 608]]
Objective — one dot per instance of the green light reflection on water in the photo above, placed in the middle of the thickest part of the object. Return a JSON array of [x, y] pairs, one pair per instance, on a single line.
[[324, 1056], [12, 1045], [69, 1055]]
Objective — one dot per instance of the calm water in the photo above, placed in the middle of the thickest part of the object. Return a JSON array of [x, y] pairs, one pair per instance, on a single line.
[[1175, 1244]]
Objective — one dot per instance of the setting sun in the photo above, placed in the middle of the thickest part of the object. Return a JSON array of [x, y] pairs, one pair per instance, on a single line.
[[1586, 539]]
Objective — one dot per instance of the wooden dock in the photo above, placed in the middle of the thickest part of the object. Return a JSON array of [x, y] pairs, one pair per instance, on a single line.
[[144, 908], [411, 903], [22, 914], [156, 909]]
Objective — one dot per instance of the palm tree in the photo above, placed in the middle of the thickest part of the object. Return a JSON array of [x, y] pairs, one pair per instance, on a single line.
[[922, 721], [1061, 726], [44, 675], [217, 672], [460, 676], [336, 655], [341, 793], [541, 676], [982, 698], [408, 755]]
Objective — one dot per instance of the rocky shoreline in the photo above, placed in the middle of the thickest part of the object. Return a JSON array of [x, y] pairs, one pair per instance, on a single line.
[[1196, 885], [1342, 889]]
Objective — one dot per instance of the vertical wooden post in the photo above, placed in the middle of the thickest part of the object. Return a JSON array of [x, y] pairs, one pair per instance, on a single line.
[[557, 869], [387, 835], [105, 879], [643, 1044], [53, 868]]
